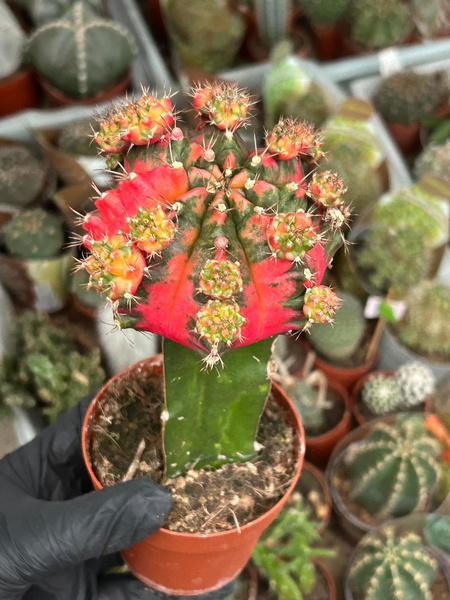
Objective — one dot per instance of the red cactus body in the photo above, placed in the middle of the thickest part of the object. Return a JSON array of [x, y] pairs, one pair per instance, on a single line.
[[229, 238]]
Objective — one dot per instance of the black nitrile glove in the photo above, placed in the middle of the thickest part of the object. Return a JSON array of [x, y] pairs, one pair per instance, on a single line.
[[55, 538]]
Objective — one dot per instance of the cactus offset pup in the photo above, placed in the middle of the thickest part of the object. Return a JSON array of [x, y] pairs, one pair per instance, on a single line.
[[217, 249]]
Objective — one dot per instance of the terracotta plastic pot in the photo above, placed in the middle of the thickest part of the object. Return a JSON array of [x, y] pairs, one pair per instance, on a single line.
[[406, 136], [58, 98], [18, 92], [328, 41], [361, 419], [320, 447], [313, 472], [184, 563], [328, 577]]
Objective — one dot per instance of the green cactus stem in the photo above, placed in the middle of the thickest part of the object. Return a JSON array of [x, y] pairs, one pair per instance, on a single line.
[[381, 394], [34, 234], [393, 567], [416, 383], [273, 17], [22, 176], [377, 24], [394, 470], [97, 52]]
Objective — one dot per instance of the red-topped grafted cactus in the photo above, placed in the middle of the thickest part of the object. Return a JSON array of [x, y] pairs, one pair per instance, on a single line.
[[229, 240]]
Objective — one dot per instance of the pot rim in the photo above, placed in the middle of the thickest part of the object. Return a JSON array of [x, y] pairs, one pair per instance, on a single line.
[[297, 425]]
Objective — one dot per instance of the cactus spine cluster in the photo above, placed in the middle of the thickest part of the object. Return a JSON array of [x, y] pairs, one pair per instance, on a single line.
[[393, 567], [339, 340], [97, 52], [381, 394], [394, 470], [22, 176], [34, 234], [416, 382], [376, 24], [324, 12], [407, 97]]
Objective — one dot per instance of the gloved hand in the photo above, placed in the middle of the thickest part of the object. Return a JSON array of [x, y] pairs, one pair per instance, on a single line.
[[56, 536]]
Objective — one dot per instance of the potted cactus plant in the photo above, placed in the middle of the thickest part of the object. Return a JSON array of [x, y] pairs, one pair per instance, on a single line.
[[385, 469], [34, 267], [324, 17], [215, 248], [96, 63]]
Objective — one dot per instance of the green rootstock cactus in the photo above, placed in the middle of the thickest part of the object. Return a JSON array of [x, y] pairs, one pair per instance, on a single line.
[[34, 234], [407, 97], [22, 176], [416, 382], [392, 567], [97, 52], [381, 394], [324, 12], [376, 24], [337, 341], [434, 160], [394, 470], [214, 247]]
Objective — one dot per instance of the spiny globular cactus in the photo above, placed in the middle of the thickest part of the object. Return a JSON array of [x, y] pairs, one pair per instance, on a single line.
[[416, 382], [22, 175], [207, 243], [34, 234], [393, 567], [381, 394], [377, 24], [324, 12], [394, 470]]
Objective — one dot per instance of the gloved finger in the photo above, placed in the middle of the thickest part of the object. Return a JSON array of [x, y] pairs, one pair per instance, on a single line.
[[51, 466], [42, 538]]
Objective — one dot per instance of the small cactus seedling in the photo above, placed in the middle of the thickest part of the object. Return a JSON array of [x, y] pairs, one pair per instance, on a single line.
[[216, 248], [416, 382], [394, 470], [97, 52], [22, 176], [34, 234], [377, 24], [393, 567], [381, 394], [337, 341], [434, 160]]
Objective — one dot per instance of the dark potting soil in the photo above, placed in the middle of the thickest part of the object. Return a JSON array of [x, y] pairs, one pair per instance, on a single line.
[[204, 501], [333, 416]]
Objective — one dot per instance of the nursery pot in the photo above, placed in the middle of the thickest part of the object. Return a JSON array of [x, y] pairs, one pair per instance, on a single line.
[[193, 563], [309, 474], [328, 40], [18, 92], [361, 419]]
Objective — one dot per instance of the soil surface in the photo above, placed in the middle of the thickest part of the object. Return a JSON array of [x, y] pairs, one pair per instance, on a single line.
[[204, 500]]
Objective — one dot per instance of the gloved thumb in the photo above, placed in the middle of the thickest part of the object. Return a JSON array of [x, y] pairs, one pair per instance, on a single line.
[[55, 535]]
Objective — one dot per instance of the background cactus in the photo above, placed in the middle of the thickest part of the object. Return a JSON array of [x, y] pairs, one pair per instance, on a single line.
[[22, 176], [273, 18], [34, 234], [407, 97], [425, 327], [169, 251], [434, 160], [430, 16], [381, 394], [394, 470], [324, 12], [76, 138], [47, 368], [337, 341], [376, 24], [416, 382], [393, 567], [12, 42], [97, 52], [44, 11]]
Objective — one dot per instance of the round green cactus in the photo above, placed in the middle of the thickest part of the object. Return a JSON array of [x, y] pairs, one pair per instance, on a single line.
[[22, 176], [434, 160], [12, 42], [376, 24], [407, 97], [97, 52], [337, 341], [394, 470], [381, 394], [416, 382], [392, 567], [324, 12], [76, 138], [34, 234]]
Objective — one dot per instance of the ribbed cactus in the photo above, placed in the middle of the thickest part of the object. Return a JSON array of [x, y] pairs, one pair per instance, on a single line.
[[416, 382], [213, 246], [34, 234], [426, 326], [407, 97], [324, 12], [376, 24], [273, 18], [22, 176], [44, 11], [434, 160], [337, 341], [12, 42], [381, 394], [97, 52], [393, 567], [76, 138], [394, 470], [204, 36]]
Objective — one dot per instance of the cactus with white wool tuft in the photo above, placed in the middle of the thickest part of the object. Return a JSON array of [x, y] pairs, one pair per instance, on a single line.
[[416, 382], [393, 567], [394, 470]]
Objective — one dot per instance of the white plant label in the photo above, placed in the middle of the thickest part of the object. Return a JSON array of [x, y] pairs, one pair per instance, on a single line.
[[389, 62], [372, 308]]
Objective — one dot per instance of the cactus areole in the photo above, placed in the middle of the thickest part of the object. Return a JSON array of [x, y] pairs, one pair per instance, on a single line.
[[212, 246]]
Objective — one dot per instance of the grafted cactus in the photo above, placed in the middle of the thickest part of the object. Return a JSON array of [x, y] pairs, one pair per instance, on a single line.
[[394, 470], [212, 246], [393, 567]]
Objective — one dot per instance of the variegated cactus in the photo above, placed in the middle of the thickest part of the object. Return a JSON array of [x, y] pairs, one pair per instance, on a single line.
[[211, 245]]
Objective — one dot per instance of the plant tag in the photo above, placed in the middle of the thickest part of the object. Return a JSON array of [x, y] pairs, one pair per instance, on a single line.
[[376, 307], [389, 62]]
